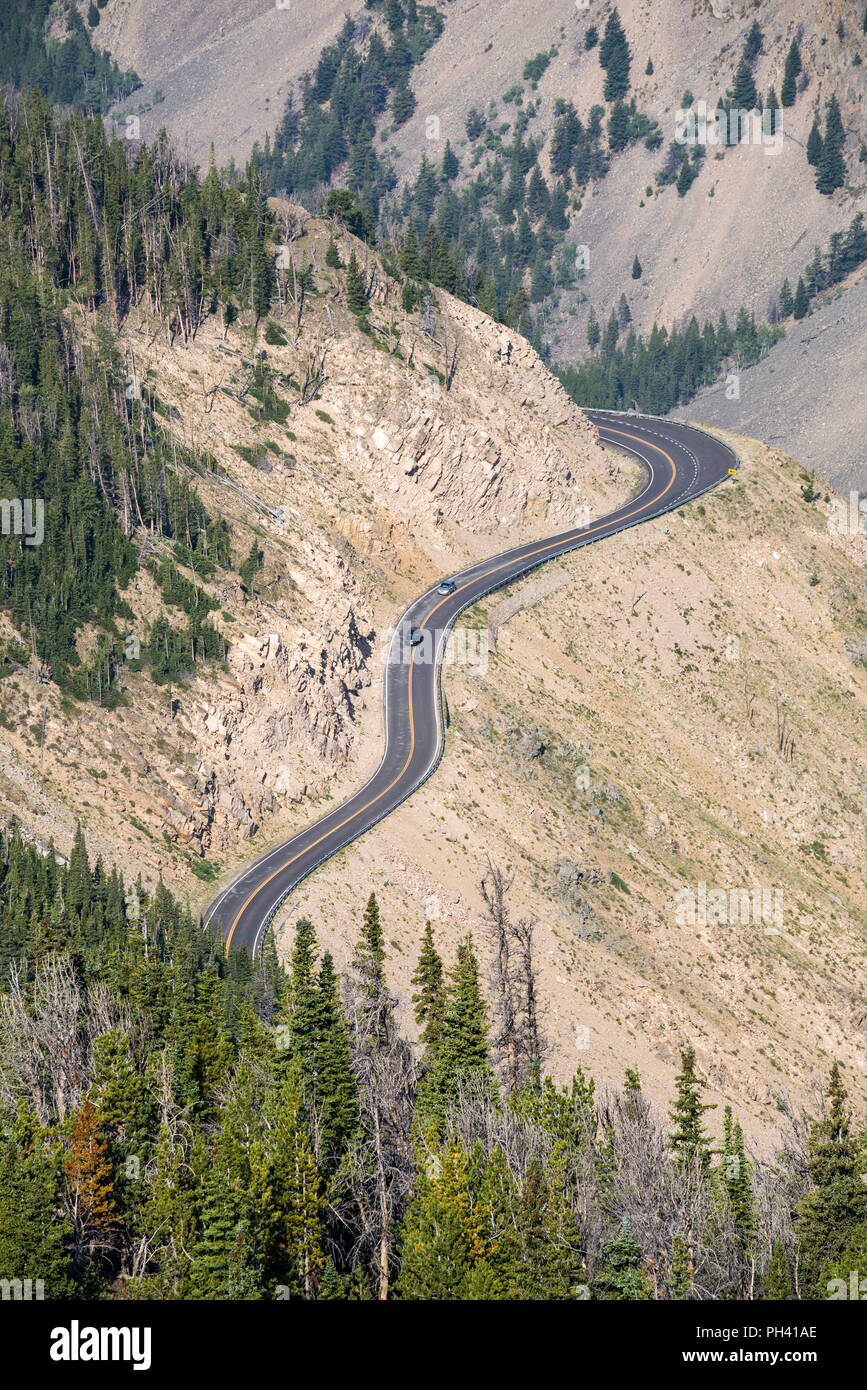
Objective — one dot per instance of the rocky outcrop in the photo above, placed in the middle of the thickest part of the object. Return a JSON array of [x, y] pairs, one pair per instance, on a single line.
[[492, 438], [285, 695]]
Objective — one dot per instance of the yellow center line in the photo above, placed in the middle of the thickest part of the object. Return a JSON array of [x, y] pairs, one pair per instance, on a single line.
[[550, 545]]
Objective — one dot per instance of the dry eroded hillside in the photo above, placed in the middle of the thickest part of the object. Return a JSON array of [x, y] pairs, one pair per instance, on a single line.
[[622, 747], [380, 481]]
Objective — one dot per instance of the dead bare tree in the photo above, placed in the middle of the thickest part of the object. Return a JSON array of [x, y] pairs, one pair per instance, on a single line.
[[504, 1042], [209, 394], [749, 701], [535, 1044], [449, 348], [662, 1201], [517, 1044], [47, 1031], [785, 740], [291, 221], [297, 297], [315, 375], [380, 1162], [428, 317]]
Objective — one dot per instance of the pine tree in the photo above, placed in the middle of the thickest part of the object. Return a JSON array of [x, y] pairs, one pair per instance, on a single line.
[[787, 303], [855, 246], [594, 332], [409, 257], [680, 1272], [816, 274], [402, 102], [542, 281], [526, 239], [462, 1056], [814, 143], [331, 1286], [302, 1006], [356, 291], [649, 69], [850, 1260], [33, 1235], [445, 1253], [735, 1177], [772, 106], [610, 336], [556, 216], [90, 1183], [317, 1046], [257, 261], [488, 298], [204, 1041], [632, 1093], [831, 167], [219, 1263], [426, 188], [802, 300], [754, 42], [249, 567], [777, 1277], [336, 1090], [536, 1255], [620, 1277], [636, 269], [538, 199], [689, 1140], [332, 255], [614, 57], [125, 1107], [292, 1201], [394, 15], [686, 178], [837, 1204], [618, 127], [429, 996], [789, 89], [743, 94], [450, 165], [465, 1027], [78, 882], [370, 948]]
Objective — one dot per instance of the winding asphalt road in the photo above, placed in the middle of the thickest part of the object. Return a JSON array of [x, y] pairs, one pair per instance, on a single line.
[[681, 462]]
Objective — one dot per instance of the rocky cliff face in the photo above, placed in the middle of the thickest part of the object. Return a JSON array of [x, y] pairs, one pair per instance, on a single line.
[[278, 704], [504, 445]]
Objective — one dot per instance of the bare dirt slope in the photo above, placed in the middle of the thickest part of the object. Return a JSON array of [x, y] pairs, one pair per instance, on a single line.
[[620, 751], [823, 425], [224, 67]]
